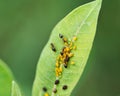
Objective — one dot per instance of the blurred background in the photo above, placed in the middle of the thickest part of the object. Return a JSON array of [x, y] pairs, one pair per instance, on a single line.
[[25, 26]]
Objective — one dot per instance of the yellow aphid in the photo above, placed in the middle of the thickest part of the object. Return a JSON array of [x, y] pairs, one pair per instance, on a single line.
[[67, 49], [56, 69], [74, 47], [46, 94], [57, 64], [74, 38], [60, 69], [60, 73], [64, 50], [64, 55], [72, 62], [66, 44], [67, 53], [71, 54], [60, 62], [58, 58], [62, 59], [71, 48], [64, 39], [57, 75], [71, 44]]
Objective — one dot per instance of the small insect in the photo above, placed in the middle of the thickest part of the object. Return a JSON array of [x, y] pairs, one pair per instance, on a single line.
[[72, 62], [64, 87], [44, 89], [55, 90], [65, 40], [60, 69], [46, 94], [65, 65], [57, 82], [57, 64], [66, 59], [74, 47], [70, 54], [61, 53], [60, 35], [63, 49], [67, 49], [74, 38], [53, 47]]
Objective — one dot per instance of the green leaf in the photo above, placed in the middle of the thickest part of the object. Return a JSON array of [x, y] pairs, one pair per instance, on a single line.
[[15, 89], [81, 23], [6, 78]]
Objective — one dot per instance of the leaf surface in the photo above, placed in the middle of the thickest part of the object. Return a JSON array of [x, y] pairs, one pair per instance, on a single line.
[[6, 78], [15, 89], [80, 23]]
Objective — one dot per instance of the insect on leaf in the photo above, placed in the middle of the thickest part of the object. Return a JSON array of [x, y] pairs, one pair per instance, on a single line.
[[15, 89], [6, 78], [60, 66]]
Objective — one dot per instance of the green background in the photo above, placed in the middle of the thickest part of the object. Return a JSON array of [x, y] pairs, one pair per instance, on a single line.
[[25, 26]]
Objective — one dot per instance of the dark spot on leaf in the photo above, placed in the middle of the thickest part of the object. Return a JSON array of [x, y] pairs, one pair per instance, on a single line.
[[65, 87], [57, 82], [44, 89], [53, 47], [67, 59], [60, 35], [55, 90], [61, 53], [65, 65]]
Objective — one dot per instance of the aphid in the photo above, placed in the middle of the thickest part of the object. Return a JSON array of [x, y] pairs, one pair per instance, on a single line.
[[64, 40], [57, 64], [56, 69], [44, 89], [60, 35], [57, 74], [67, 49], [74, 47], [63, 49], [66, 44], [60, 69], [55, 90], [66, 59], [46, 94], [65, 65], [57, 82], [71, 44], [61, 53], [53, 47], [72, 62], [70, 54], [74, 38], [64, 87]]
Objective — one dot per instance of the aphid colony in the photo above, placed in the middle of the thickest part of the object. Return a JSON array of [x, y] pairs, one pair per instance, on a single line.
[[65, 55], [62, 60]]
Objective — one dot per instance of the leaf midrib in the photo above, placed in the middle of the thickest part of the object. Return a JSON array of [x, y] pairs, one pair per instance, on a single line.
[[80, 26]]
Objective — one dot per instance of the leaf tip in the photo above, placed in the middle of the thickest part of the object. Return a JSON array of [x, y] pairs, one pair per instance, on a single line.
[[99, 2]]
